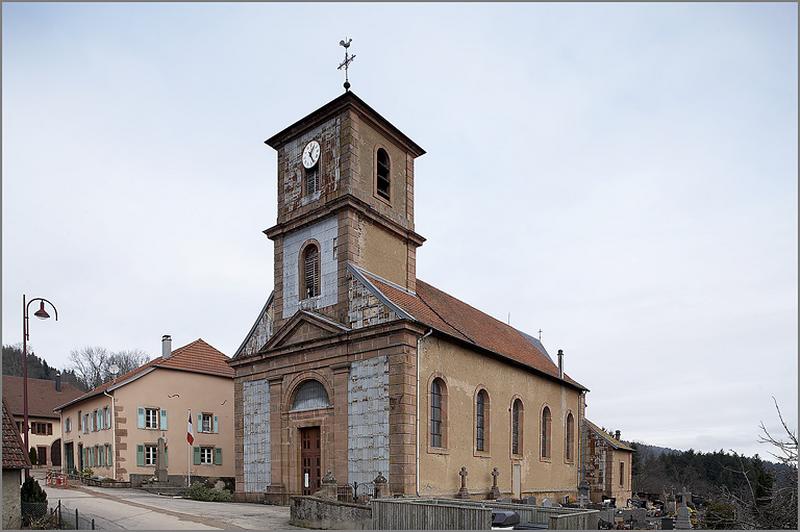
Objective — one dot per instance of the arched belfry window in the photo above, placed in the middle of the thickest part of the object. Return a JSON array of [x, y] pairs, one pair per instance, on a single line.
[[516, 427], [383, 181], [570, 437], [310, 395], [310, 271], [546, 427], [438, 404]]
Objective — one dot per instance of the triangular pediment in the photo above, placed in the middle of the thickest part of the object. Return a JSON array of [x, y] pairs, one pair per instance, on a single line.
[[303, 327]]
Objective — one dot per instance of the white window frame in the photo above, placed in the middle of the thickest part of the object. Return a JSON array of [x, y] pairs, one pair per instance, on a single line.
[[150, 454], [155, 414], [207, 417], [206, 460]]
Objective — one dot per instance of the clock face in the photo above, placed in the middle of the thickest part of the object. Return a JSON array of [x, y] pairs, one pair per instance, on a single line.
[[311, 154]]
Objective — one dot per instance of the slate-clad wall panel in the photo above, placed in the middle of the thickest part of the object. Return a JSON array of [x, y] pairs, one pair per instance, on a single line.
[[257, 457], [368, 419]]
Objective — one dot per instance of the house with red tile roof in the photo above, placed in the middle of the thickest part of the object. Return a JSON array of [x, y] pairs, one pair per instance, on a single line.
[[15, 460], [356, 367], [45, 426], [127, 426]]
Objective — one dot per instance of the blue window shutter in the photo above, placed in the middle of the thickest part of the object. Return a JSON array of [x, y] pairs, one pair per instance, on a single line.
[[199, 423], [166, 457], [140, 455], [108, 456], [216, 424], [163, 424], [141, 417], [196, 455], [217, 456]]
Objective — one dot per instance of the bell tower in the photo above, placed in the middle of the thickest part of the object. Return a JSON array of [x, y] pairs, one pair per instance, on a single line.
[[345, 195]]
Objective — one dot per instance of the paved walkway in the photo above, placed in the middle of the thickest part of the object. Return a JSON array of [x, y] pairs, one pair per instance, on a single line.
[[116, 509]]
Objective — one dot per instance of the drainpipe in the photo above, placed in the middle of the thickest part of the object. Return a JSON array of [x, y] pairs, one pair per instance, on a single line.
[[419, 347], [113, 436]]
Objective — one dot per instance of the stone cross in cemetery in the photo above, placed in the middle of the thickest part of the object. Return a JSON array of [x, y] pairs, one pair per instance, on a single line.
[[686, 497], [462, 492], [494, 493]]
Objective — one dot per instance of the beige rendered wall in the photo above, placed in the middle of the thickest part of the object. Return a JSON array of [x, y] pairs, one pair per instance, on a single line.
[[621, 492], [464, 371], [36, 440], [89, 439], [176, 392], [382, 253]]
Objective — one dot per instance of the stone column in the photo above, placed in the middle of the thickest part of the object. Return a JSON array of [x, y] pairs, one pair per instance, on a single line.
[[327, 488]]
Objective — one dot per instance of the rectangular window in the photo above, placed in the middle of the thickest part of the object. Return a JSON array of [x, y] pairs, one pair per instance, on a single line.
[[206, 455], [151, 418], [106, 418], [85, 423], [622, 473], [67, 425], [207, 423], [150, 453]]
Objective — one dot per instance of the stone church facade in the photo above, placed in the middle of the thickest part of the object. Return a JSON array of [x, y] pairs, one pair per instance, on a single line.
[[355, 366]]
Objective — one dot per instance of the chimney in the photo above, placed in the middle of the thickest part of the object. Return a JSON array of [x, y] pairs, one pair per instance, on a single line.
[[560, 364], [166, 346], [58, 381], [617, 434]]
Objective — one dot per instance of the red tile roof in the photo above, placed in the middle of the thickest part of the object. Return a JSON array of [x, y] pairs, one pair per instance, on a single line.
[[195, 357], [14, 457], [42, 396], [455, 318]]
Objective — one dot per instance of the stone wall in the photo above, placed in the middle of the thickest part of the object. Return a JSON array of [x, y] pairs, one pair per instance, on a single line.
[[257, 456], [312, 512], [12, 508], [368, 419]]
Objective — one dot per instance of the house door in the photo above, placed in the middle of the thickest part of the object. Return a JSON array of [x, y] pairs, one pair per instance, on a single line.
[[41, 455], [309, 459], [55, 453], [516, 480], [69, 456]]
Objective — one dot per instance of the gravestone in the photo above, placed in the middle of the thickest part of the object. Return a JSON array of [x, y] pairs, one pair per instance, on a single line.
[[494, 493], [462, 492], [683, 522]]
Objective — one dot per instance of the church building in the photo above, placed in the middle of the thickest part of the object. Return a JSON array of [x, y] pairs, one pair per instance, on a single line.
[[356, 367]]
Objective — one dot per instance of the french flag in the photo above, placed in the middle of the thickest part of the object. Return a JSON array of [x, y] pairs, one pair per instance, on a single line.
[[189, 434]]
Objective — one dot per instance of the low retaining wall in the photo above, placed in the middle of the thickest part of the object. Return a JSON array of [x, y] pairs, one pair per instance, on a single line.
[[313, 512]]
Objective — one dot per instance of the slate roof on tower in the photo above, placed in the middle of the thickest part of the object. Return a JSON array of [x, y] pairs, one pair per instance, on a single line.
[[195, 357]]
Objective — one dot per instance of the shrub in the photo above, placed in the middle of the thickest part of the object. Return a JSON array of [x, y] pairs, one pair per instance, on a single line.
[[87, 472], [32, 491], [200, 492]]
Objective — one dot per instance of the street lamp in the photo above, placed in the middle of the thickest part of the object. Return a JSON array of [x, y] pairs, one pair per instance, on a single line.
[[42, 314]]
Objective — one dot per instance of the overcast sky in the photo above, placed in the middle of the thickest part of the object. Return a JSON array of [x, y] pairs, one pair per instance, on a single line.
[[623, 177]]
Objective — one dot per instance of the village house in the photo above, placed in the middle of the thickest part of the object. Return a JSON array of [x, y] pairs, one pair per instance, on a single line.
[[45, 426], [15, 460], [609, 465], [115, 429], [356, 367]]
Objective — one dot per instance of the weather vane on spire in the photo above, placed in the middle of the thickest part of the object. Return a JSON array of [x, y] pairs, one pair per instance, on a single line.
[[347, 60]]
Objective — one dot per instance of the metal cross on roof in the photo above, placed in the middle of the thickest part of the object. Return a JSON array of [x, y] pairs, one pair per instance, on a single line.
[[347, 60]]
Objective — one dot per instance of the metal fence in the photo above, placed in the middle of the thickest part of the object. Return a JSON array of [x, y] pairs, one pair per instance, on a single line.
[[428, 514], [419, 514]]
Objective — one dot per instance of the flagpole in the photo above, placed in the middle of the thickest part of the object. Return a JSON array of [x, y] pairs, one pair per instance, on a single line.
[[189, 457]]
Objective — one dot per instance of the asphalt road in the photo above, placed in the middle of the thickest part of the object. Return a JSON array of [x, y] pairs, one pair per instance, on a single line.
[[130, 509]]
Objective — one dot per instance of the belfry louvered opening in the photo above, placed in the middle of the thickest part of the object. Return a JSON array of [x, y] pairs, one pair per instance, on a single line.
[[311, 271], [383, 182]]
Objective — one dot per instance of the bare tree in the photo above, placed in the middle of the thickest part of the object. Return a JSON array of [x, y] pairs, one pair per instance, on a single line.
[[92, 364], [787, 448]]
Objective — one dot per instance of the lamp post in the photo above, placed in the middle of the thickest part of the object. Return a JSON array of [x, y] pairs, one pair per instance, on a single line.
[[42, 315]]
